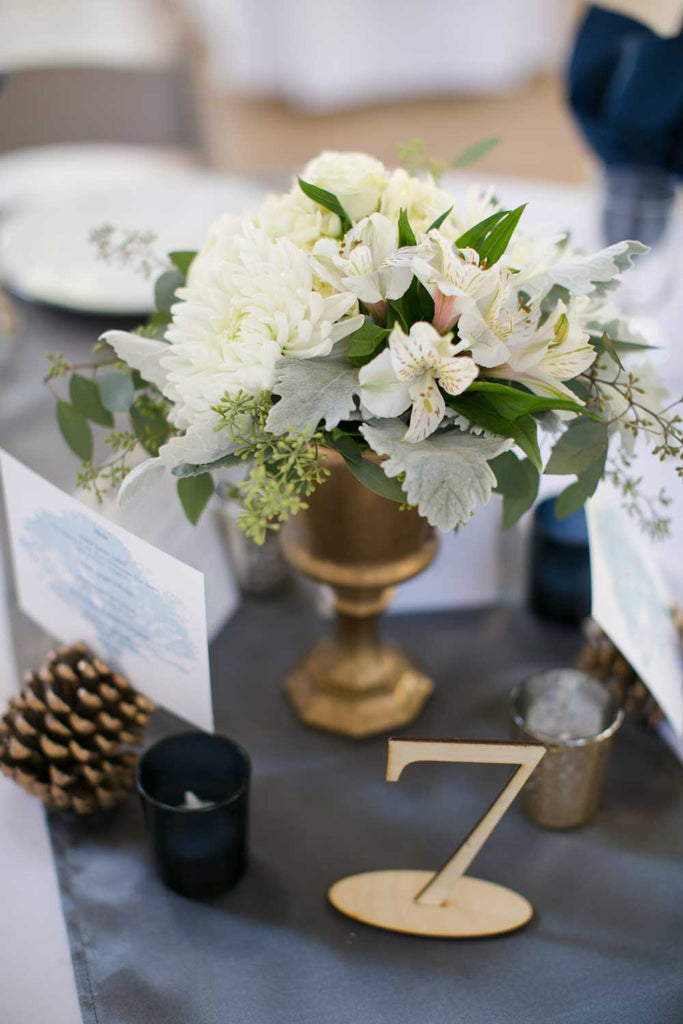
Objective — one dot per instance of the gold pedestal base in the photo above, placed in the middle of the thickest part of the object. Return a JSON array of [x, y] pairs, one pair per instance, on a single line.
[[390, 900], [357, 696]]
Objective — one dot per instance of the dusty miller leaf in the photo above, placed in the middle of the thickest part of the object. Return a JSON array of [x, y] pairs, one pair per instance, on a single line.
[[312, 390], [445, 476]]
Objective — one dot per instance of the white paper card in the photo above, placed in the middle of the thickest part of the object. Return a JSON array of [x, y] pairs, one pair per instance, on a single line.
[[82, 577], [632, 603]]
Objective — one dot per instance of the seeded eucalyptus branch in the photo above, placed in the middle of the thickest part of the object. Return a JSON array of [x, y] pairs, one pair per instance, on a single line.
[[608, 384], [285, 469], [122, 248]]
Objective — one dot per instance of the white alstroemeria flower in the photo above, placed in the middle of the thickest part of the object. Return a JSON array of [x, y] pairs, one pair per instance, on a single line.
[[493, 320], [364, 265], [409, 372], [557, 351], [452, 277], [296, 217], [248, 301], [483, 303], [356, 179], [423, 201]]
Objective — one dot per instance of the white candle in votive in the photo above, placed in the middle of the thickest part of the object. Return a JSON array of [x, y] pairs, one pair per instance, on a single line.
[[567, 709], [192, 802]]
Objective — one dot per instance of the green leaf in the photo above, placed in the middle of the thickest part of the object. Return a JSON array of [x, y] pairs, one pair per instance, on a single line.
[[498, 240], [182, 260], [512, 402], [369, 473], [85, 398], [416, 304], [582, 444], [116, 391], [608, 346], [491, 236], [156, 326], [577, 494], [187, 469], [518, 482], [165, 289], [439, 220], [406, 235], [480, 410], [475, 235], [570, 500], [75, 430], [526, 436], [363, 344], [327, 199], [194, 492], [475, 152], [150, 425]]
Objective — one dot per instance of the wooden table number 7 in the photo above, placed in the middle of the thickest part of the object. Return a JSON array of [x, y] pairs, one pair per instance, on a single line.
[[447, 903]]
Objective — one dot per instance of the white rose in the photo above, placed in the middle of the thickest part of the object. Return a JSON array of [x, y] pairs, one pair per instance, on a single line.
[[296, 217], [357, 180], [423, 201]]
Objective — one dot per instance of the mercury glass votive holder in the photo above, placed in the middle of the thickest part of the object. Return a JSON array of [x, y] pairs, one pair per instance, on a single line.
[[576, 719], [194, 789]]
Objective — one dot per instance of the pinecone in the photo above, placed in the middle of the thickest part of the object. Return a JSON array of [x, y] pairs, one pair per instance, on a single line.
[[601, 659], [66, 736]]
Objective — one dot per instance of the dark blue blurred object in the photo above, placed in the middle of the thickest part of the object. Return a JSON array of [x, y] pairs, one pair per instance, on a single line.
[[560, 585], [626, 89], [199, 852]]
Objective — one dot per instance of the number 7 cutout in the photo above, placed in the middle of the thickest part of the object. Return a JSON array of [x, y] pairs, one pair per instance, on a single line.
[[447, 903]]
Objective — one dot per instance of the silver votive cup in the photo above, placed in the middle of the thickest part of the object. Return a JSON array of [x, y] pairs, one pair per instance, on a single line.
[[576, 719]]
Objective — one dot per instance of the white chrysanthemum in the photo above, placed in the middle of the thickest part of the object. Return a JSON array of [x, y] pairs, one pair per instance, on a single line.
[[356, 179], [422, 200], [296, 217], [248, 301]]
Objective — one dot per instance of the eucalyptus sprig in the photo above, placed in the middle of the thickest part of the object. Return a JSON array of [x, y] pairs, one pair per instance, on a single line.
[[414, 157], [128, 248], [285, 470]]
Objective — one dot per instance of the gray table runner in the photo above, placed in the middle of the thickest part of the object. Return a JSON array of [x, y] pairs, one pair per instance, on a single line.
[[606, 944]]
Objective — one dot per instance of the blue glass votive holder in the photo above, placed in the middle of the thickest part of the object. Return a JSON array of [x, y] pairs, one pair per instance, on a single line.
[[560, 583], [194, 789]]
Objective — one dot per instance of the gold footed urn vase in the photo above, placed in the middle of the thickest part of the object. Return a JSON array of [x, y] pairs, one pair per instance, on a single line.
[[362, 545]]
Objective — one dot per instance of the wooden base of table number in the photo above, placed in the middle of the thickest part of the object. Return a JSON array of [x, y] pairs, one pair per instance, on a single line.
[[448, 903]]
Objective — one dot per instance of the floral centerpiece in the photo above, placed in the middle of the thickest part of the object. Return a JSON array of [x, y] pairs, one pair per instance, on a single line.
[[432, 341]]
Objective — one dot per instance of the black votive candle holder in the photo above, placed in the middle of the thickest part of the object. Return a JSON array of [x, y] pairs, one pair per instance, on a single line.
[[200, 851], [560, 584]]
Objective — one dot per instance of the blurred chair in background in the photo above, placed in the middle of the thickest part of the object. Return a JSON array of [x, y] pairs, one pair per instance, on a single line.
[[105, 71], [280, 79]]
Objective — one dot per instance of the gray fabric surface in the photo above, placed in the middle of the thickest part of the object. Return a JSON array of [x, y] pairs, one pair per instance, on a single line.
[[605, 945]]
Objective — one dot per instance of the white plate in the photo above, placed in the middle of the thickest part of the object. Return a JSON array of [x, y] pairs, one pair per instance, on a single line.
[[47, 172], [45, 255]]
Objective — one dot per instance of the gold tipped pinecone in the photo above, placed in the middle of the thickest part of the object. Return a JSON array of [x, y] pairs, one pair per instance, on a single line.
[[601, 659], [67, 736]]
